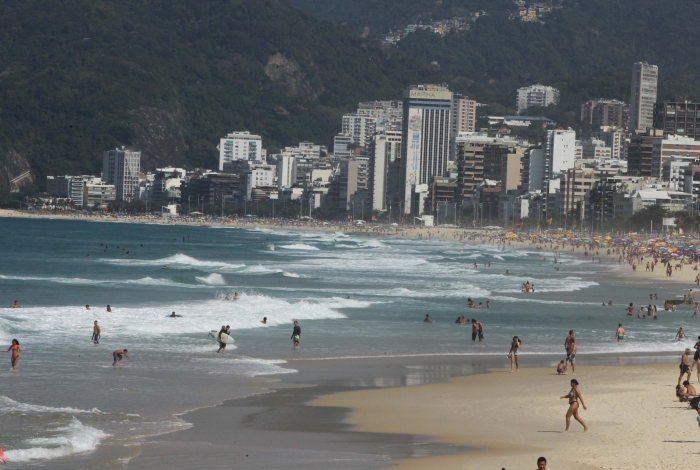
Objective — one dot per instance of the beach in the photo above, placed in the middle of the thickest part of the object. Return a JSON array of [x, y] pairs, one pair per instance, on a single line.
[[360, 297]]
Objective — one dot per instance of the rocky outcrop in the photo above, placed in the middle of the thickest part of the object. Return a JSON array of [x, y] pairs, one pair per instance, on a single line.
[[158, 135], [287, 71], [15, 172]]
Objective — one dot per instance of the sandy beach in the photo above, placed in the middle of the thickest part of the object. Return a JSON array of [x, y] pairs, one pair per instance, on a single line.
[[634, 419]]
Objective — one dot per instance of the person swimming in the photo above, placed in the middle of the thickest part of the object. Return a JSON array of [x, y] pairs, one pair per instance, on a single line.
[[235, 296], [264, 321], [109, 309], [15, 305], [172, 315]]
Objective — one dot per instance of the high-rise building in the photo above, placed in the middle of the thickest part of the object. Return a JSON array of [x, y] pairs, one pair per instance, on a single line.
[[121, 168], [463, 114], [359, 128], [536, 95], [644, 82], [599, 113], [383, 111], [613, 138], [639, 152], [286, 171], [426, 138], [559, 151], [680, 118], [353, 179], [240, 146], [386, 150]]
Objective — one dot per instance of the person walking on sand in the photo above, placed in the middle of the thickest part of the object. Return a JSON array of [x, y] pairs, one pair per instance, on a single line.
[[574, 397], [296, 334], [696, 358], [96, 333], [513, 354], [118, 355], [620, 333], [16, 351], [684, 366]]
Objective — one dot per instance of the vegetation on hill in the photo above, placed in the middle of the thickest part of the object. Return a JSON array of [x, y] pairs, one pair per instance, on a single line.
[[171, 77], [585, 48]]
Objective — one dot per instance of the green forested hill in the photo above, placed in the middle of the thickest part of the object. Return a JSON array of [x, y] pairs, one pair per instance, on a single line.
[[173, 76], [585, 38]]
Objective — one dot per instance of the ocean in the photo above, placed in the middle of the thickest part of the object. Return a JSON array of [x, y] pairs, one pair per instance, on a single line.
[[354, 296]]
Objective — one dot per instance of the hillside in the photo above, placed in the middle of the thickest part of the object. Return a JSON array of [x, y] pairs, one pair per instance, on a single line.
[[170, 77], [593, 39]]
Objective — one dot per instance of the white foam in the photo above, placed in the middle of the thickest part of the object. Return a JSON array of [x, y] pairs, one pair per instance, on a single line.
[[8, 405], [299, 246], [213, 279], [73, 439], [179, 260]]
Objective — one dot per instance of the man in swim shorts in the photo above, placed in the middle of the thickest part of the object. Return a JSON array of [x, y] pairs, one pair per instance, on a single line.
[[620, 333], [475, 329], [570, 345], [118, 355], [296, 334], [96, 333]]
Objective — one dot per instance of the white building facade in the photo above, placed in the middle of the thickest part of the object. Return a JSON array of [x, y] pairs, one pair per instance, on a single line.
[[240, 146], [121, 168], [536, 95], [644, 87]]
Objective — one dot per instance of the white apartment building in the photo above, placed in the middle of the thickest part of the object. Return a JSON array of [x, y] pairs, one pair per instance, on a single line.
[[387, 148], [594, 149], [259, 175], [359, 128], [240, 146], [613, 138], [305, 150], [644, 85], [675, 170], [286, 171], [121, 168], [536, 95], [559, 151], [663, 149], [382, 111]]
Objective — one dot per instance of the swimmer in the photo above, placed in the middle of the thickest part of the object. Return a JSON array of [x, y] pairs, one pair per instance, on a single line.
[[488, 305], [109, 309], [16, 351], [96, 332], [15, 305], [264, 321], [680, 335], [118, 355], [87, 307], [427, 319], [164, 267], [172, 315], [481, 305], [235, 296], [620, 333], [507, 273], [228, 296]]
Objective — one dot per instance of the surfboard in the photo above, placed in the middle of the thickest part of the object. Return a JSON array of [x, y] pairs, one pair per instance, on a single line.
[[214, 334]]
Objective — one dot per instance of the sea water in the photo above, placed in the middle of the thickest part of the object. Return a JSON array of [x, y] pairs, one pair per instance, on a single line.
[[354, 296]]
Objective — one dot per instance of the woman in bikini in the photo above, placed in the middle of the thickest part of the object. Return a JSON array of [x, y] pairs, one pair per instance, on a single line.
[[513, 353], [16, 351], [574, 397]]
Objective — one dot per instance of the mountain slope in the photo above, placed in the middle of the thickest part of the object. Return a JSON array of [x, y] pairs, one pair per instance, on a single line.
[[173, 76], [585, 37]]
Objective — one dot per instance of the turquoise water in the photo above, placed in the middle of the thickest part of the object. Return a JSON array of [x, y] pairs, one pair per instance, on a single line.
[[66, 398]]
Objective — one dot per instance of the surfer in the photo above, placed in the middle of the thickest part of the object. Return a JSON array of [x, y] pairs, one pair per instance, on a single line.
[[16, 351], [15, 305], [96, 333], [172, 315], [296, 334], [118, 355], [222, 345]]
